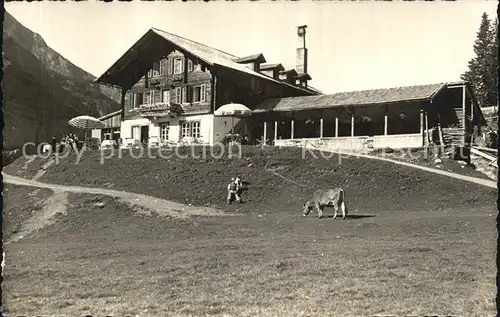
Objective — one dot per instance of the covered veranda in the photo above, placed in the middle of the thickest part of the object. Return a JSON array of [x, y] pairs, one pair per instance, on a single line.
[[353, 127]]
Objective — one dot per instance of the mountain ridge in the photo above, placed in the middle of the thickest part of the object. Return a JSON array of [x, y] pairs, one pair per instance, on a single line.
[[43, 89], [52, 59]]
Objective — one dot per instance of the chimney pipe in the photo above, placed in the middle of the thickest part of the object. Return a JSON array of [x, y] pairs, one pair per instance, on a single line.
[[301, 61]]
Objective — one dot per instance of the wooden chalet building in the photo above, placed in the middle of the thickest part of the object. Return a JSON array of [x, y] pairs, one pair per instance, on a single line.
[[171, 87]]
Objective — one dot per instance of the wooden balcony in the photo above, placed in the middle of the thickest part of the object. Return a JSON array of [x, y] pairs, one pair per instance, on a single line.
[[160, 109]]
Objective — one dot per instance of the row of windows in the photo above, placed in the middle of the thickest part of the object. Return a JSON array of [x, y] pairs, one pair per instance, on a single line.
[[176, 66], [188, 129], [182, 95]]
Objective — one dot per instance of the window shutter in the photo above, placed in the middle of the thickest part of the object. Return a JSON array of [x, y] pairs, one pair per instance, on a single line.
[[203, 93], [178, 95], [127, 101], [190, 65], [170, 66], [189, 93], [184, 94], [182, 64]]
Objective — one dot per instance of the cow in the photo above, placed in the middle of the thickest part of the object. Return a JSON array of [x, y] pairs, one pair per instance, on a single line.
[[321, 198]]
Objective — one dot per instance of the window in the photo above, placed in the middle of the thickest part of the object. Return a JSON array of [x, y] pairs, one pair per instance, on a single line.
[[164, 129], [155, 70], [135, 100], [166, 96], [178, 95], [163, 67], [148, 97], [178, 65], [190, 65], [195, 129], [136, 132], [191, 129], [185, 130], [199, 93]]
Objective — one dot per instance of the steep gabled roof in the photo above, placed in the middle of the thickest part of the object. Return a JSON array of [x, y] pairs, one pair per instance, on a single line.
[[290, 70], [354, 98], [207, 54]]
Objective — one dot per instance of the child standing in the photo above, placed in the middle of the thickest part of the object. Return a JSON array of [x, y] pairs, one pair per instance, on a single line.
[[233, 189]]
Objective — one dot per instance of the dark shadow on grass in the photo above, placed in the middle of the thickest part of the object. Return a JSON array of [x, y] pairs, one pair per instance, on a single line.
[[348, 217]]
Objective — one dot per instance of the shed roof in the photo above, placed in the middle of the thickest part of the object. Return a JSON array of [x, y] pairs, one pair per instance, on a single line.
[[272, 66], [354, 98], [252, 58]]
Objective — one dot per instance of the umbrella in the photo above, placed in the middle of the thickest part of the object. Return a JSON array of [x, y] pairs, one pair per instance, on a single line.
[[86, 123], [233, 110]]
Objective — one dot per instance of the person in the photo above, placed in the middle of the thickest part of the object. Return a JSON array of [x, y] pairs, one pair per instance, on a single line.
[[232, 189], [239, 184], [72, 141], [54, 145]]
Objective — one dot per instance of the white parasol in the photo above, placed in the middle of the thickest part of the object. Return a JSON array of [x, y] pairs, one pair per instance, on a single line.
[[86, 123], [233, 110]]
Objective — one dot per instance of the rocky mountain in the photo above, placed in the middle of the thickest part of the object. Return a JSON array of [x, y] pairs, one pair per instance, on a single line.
[[43, 90]]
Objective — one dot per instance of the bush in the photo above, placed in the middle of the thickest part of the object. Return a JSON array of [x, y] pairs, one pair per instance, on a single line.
[[232, 138]]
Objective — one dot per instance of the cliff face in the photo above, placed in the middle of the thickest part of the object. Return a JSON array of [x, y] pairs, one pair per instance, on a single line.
[[43, 90]]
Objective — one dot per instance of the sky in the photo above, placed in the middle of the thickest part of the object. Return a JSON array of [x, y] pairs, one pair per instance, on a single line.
[[352, 45]]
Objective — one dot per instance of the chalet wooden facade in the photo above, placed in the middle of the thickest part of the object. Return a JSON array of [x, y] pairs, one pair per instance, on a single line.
[[171, 87], [404, 117]]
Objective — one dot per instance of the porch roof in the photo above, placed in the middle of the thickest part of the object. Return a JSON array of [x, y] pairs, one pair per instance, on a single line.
[[354, 98], [110, 115]]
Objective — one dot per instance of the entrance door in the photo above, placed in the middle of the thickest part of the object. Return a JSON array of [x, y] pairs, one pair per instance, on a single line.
[[144, 134], [166, 96]]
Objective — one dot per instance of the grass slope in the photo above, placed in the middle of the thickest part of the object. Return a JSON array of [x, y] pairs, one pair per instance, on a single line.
[[115, 261], [416, 243], [202, 181]]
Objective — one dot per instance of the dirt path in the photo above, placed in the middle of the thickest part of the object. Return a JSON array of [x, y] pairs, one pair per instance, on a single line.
[[480, 181], [56, 204], [42, 171], [160, 206]]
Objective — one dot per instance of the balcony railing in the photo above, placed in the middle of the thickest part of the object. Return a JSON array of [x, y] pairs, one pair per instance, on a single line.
[[160, 108]]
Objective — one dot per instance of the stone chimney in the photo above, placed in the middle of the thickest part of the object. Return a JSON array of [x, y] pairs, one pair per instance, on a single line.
[[301, 61], [301, 64]]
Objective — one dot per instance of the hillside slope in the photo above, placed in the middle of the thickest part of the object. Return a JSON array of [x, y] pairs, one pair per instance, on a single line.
[[39, 101], [279, 180]]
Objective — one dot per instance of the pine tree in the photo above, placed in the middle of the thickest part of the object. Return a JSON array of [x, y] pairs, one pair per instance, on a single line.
[[492, 98], [481, 72]]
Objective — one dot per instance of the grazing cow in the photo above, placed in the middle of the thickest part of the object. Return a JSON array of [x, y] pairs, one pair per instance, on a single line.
[[326, 198]]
